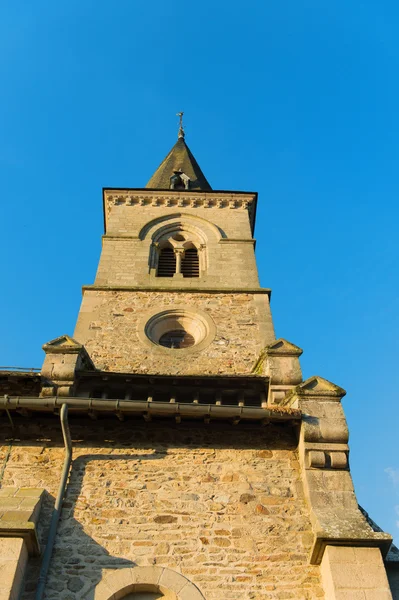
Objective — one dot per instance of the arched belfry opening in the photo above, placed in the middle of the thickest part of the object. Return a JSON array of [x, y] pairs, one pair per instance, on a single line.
[[179, 252], [179, 181]]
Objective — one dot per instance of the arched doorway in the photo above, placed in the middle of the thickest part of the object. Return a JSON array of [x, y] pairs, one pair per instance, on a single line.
[[145, 583]]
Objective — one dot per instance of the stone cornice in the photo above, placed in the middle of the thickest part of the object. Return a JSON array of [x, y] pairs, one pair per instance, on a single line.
[[237, 241], [126, 236], [190, 290], [179, 199], [323, 539]]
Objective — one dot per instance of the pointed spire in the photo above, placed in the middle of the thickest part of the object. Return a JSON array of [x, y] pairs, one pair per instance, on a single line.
[[179, 169]]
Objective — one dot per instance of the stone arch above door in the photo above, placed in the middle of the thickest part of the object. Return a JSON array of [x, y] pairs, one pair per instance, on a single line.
[[126, 583]]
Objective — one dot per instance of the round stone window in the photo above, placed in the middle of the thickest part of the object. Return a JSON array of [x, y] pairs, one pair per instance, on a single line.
[[179, 329]]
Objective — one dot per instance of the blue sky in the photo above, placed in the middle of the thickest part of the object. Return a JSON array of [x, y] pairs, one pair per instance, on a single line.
[[296, 100]]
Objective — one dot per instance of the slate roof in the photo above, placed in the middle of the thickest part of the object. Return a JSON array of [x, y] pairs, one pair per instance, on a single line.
[[180, 157], [393, 553]]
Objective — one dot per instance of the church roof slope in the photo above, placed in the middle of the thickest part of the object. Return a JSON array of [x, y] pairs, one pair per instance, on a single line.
[[180, 158]]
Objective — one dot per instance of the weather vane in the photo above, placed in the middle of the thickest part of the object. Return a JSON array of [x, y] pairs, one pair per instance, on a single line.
[[181, 128]]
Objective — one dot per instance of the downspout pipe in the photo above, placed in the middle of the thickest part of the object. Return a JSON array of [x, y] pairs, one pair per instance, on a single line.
[[58, 503]]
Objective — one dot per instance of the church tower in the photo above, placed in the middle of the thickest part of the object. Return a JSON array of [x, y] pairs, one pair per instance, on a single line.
[[203, 465], [177, 289]]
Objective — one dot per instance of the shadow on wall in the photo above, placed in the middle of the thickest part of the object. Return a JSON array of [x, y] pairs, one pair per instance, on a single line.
[[78, 560]]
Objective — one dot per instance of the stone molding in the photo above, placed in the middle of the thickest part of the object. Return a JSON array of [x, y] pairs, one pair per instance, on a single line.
[[21, 529], [282, 347], [162, 231], [115, 585], [280, 362], [161, 288], [318, 387], [243, 200], [165, 225], [237, 241], [127, 237], [179, 199], [64, 344], [64, 357], [323, 455]]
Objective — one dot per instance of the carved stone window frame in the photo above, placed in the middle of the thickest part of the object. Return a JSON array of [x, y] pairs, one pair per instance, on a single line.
[[192, 240], [197, 322], [197, 231]]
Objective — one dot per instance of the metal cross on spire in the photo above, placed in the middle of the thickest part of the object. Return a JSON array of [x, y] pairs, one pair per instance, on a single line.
[[181, 128]]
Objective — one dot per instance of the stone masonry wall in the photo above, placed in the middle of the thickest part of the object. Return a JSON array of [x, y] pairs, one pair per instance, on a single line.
[[109, 322], [221, 504], [124, 220], [226, 234], [125, 262]]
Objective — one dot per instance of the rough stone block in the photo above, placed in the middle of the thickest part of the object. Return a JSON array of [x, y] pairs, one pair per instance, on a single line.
[[9, 502], [16, 515], [13, 559], [190, 592], [354, 573], [10, 548], [27, 491], [8, 492], [145, 575], [378, 595], [172, 580]]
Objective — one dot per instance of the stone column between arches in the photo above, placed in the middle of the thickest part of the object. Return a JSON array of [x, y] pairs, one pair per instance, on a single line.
[[119, 584]]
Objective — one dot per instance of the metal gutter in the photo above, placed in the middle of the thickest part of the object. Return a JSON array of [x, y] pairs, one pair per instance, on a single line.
[[58, 502], [149, 408], [22, 370]]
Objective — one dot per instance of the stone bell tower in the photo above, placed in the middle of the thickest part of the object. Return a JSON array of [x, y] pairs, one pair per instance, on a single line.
[[177, 289]]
